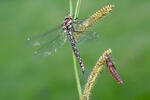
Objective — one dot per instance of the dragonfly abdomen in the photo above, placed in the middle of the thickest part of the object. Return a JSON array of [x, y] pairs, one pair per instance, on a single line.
[[75, 50]]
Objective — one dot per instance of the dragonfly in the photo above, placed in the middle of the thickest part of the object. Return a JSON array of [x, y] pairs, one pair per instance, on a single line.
[[112, 69], [52, 40], [76, 31]]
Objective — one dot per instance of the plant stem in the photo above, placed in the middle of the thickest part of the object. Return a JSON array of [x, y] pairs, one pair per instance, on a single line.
[[74, 58], [77, 76], [77, 8], [70, 6]]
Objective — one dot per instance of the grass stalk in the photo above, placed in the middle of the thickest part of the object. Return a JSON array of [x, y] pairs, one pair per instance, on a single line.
[[70, 7], [77, 76], [73, 55], [77, 9]]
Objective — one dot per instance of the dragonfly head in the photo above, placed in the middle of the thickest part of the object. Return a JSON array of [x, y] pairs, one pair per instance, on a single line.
[[69, 16]]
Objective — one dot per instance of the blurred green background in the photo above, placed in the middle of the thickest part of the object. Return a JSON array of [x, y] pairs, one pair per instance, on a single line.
[[126, 30]]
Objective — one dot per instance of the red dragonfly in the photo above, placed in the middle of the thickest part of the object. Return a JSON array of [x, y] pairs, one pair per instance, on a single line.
[[112, 69]]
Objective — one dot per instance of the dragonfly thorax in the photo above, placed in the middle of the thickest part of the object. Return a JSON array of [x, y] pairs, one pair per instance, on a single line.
[[68, 24]]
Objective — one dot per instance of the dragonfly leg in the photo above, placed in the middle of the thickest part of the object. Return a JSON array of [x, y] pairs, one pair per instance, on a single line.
[[76, 30], [75, 19]]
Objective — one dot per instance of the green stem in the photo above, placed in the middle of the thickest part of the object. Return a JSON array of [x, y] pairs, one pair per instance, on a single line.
[[77, 76], [73, 55], [77, 8], [70, 5]]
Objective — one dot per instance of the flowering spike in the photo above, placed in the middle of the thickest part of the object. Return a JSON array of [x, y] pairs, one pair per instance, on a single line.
[[92, 20], [98, 68]]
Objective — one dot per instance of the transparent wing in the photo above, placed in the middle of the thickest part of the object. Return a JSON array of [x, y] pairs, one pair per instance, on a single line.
[[78, 22], [83, 36], [43, 38], [87, 36], [52, 45], [48, 42]]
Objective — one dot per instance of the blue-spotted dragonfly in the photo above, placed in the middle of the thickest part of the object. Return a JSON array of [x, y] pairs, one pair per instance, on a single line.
[[50, 41]]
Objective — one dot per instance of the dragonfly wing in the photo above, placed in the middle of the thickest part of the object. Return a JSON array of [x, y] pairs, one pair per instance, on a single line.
[[51, 46], [86, 36], [82, 34], [43, 38], [48, 42], [78, 22]]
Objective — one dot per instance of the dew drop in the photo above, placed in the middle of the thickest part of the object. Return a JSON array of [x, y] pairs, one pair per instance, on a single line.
[[36, 44], [55, 50], [85, 24], [48, 53], [65, 40], [35, 52], [28, 39]]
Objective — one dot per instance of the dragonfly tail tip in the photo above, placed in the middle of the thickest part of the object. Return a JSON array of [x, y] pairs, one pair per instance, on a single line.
[[83, 69], [122, 83]]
